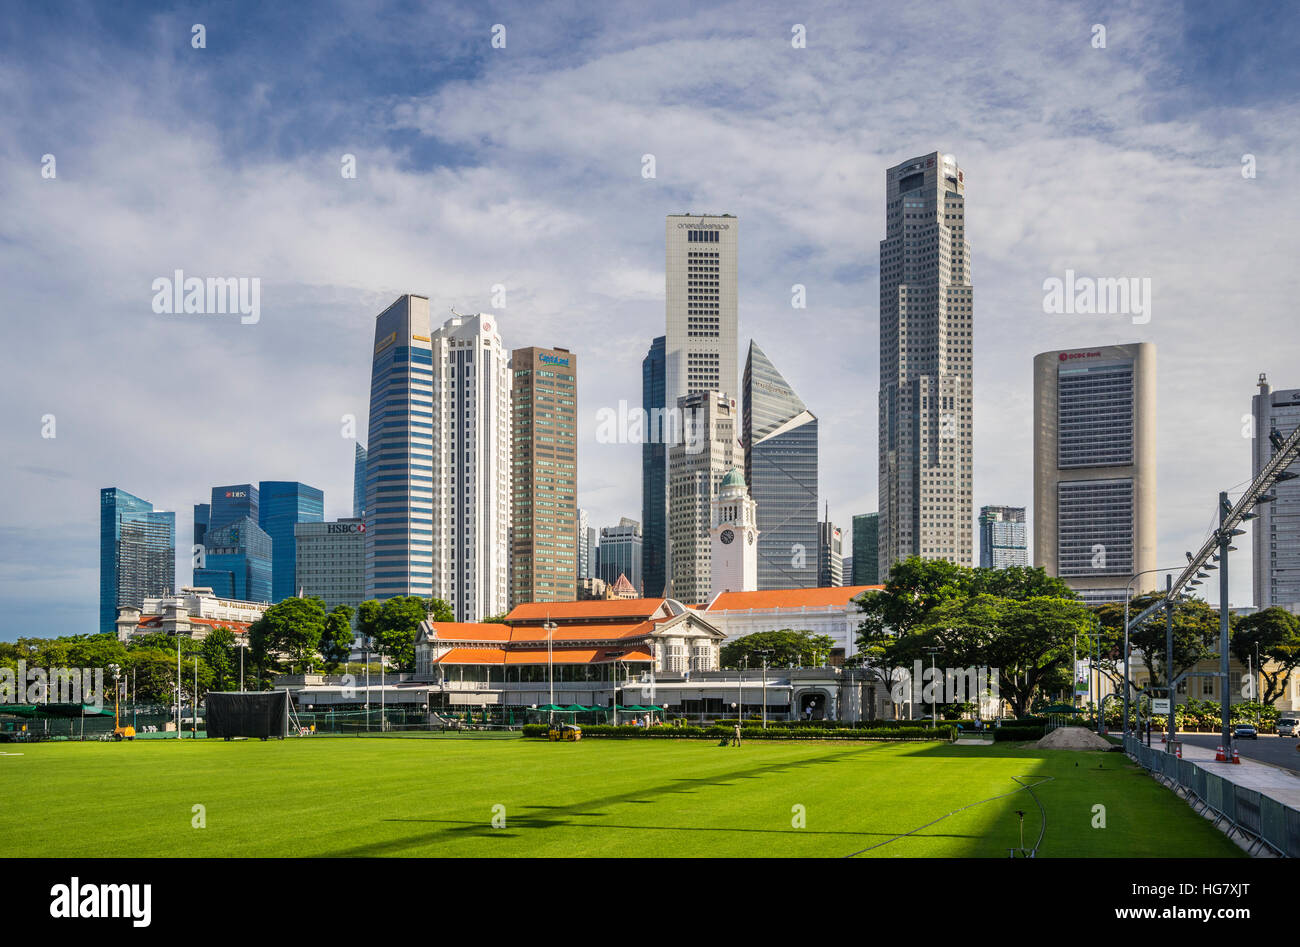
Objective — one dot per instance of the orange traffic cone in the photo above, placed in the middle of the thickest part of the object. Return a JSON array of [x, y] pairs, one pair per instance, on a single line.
[[1218, 756], [1236, 757], [1180, 751]]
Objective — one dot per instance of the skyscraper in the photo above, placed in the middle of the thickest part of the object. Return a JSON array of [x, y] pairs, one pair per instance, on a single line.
[[283, 503], [359, 482], [780, 437], [399, 458], [237, 561], [696, 466], [202, 515], [926, 376], [585, 563], [137, 553], [1003, 538], [233, 502], [621, 552], [331, 562], [654, 470], [830, 555], [471, 428], [866, 550], [1275, 534], [544, 542], [1095, 468], [700, 297]]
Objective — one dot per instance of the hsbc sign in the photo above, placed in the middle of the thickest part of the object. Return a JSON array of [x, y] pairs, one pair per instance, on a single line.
[[345, 527]]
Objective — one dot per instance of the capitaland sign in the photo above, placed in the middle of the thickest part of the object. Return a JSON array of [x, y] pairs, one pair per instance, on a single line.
[[554, 360]]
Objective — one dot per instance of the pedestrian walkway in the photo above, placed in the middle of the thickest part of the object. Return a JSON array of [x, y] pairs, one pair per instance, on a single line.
[[1266, 780]]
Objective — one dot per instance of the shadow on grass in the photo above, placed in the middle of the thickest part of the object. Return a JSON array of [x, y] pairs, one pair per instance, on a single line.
[[640, 795]]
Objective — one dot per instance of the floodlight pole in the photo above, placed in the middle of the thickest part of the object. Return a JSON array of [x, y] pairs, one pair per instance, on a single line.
[[550, 627], [178, 685], [1225, 540], [1169, 660]]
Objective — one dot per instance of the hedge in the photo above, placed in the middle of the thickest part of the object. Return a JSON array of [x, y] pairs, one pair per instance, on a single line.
[[1009, 732], [754, 733]]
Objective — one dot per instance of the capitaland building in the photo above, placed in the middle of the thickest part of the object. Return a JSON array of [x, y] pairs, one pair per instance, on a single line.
[[926, 371], [137, 553], [1095, 469]]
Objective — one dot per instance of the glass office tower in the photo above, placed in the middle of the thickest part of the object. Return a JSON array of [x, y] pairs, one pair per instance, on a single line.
[[621, 549], [359, 483], [285, 503], [866, 551], [137, 553], [233, 502], [237, 561], [654, 471], [781, 468]]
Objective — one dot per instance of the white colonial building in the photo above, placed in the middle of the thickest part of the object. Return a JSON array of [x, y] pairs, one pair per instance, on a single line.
[[194, 613], [830, 611]]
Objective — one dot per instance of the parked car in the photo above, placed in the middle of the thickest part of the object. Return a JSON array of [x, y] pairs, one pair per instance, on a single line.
[[1288, 727], [1245, 732]]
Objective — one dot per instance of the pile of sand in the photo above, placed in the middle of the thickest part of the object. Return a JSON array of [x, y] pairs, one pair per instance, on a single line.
[[1073, 738]]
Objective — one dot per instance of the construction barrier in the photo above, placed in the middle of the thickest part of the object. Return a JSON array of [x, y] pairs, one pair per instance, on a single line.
[[1260, 818]]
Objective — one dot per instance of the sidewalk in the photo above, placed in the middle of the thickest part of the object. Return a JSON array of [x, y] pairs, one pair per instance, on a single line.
[[1267, 780]]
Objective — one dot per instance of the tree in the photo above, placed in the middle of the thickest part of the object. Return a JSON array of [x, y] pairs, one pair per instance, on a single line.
[[398, 620], [787, 647], [1035, 643], [292, 627], [1275, 632], [218, 650], [1196, 635], [336, 642]]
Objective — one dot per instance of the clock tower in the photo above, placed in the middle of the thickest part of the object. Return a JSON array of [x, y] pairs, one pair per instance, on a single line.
[[734, 531]]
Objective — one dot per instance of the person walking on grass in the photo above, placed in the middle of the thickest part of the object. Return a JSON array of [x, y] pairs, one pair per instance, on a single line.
[[735, 740]]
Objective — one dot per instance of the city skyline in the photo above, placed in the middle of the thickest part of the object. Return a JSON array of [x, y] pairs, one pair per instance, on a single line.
[[1140, 160]]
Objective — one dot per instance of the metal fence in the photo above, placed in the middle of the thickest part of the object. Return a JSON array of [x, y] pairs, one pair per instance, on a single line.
[[1260, 819]]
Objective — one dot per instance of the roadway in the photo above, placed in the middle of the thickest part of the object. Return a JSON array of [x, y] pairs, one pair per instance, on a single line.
[[1269, 748]]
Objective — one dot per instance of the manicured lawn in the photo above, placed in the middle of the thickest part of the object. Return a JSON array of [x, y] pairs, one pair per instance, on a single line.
[[435, 797]]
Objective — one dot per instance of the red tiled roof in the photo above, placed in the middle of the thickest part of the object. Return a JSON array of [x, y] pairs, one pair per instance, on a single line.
[[789, 598], [584, 632], [596, 608], [471, 631], [472, 656], [539, 656]]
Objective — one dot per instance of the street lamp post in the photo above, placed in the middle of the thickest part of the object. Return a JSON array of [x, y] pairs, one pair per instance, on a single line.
[[1225, 542], [764, 653], [550, 627], [1128, 589]]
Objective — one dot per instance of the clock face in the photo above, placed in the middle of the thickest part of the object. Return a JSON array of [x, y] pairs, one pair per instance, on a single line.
[[727, 536]]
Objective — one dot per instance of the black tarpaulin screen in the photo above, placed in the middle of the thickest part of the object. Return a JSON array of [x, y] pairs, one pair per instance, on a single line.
[[248, 714]]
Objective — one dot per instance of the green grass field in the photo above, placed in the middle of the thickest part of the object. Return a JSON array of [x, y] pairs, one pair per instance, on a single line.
[[435, 797]]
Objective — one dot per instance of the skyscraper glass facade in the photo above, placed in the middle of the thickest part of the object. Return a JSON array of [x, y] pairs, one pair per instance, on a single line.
[[237, 561], [1004, 540], [781, 468], [399, 454], [621, 549], [137, 553], [284, 503], [359, 483], [654, 471], [866, 552], [233, 502]]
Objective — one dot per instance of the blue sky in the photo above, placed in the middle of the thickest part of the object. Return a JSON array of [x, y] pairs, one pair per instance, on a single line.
[[521, 166]]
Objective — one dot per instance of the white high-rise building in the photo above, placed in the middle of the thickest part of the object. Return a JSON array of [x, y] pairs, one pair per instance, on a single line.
[[1276, 532], [734, 535], [471, 466], [926, 368], [700, 347], [700, 290], [399, 469], [696, 468]]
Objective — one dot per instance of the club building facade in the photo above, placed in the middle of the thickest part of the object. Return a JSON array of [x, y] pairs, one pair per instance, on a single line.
[[646, 651]]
